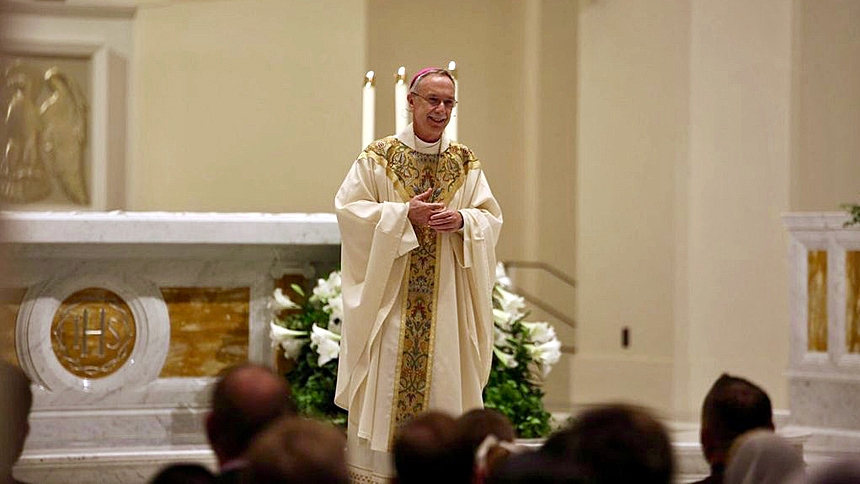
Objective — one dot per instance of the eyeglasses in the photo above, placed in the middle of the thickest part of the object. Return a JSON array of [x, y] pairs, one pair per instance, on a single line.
[[435, 101]]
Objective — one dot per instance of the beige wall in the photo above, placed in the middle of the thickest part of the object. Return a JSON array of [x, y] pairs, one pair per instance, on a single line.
[[684, 139], [827, 110], [649, 148], [485, 38], [631, 140], [242, 105], [740, 100]]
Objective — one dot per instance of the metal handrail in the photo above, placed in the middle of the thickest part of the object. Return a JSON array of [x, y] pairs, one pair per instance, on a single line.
[[540, 303], [562, 276]]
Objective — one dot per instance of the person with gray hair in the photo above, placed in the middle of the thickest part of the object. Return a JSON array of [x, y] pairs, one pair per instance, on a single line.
[[419, 226]]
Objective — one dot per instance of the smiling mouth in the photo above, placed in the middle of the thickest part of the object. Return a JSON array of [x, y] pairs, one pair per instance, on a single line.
[[438, 120]]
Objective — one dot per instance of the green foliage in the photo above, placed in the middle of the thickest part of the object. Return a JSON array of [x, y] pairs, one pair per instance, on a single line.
[[512, 392], [313, 385], [313, 388], [854, 212]]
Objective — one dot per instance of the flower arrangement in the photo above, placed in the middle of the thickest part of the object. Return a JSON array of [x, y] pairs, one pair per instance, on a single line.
[[309, 335], [854, 211]]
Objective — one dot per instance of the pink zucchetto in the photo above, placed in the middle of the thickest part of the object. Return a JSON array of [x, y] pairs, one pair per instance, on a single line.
[[429, 70]]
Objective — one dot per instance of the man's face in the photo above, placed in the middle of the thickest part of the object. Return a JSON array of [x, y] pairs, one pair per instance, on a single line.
[[430, 121]]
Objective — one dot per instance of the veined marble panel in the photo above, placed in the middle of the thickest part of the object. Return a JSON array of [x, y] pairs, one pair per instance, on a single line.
[[852, 301], [10, 302], [817, 302], [108, 465], [208, 330], [825, 402]]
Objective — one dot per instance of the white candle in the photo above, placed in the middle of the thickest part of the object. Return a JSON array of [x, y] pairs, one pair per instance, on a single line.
[[368, 105], [451, 129], [401, 113]]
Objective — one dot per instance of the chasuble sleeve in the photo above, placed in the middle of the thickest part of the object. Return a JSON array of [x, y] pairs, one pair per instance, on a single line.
[[482, 222], [376, 235]]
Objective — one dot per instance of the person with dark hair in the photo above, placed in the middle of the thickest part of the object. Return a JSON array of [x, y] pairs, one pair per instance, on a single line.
[[419, 226], [16, 399], [535, 468], [424, 451], [614, 443], [245, 400], [732, 407], [484, 438], [298, 450], [184, 473]]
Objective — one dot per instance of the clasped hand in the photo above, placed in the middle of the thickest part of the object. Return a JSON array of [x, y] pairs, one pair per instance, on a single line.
[[432, 214]]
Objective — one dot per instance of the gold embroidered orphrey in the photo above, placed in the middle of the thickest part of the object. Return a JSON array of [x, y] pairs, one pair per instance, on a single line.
[[413, 173]]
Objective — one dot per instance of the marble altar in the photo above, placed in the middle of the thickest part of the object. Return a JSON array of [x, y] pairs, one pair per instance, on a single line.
[[124, 319], [824, 366]]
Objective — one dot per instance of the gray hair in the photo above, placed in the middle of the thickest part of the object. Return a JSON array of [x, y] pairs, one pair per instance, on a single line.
[[413, 87]]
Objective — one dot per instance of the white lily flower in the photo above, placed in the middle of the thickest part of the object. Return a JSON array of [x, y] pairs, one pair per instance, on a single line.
[[291, 341], [500, 338], [292, 348], [281, 301], [327, 288], [506, 359], [546, 354], [539, 332], [279, 333], [502, 276], [334, 308], [510, 302], [325, 343], [502, 319]]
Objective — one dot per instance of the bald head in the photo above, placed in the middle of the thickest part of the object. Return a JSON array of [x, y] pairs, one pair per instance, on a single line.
[[246, 399]]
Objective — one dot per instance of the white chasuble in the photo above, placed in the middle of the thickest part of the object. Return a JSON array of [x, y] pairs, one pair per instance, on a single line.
[[417, 332]]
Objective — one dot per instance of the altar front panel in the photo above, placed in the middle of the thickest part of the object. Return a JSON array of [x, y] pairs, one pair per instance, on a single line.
[[124, 320]]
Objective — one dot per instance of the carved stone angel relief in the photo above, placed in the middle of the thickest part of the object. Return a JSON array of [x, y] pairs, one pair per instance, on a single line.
[[45, 143]]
